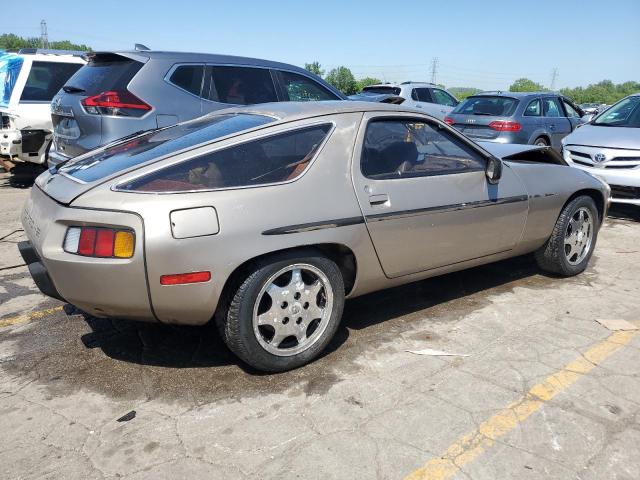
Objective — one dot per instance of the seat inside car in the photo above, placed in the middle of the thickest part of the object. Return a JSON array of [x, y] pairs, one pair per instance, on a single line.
[[398, 157]]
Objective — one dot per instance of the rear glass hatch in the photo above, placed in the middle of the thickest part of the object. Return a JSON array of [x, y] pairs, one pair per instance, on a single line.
[[474, 116], [71, 179], [76, 111]]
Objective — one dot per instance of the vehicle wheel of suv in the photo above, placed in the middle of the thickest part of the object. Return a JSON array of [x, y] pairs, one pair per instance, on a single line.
[[285, 312], [568, 250], [541, 142]]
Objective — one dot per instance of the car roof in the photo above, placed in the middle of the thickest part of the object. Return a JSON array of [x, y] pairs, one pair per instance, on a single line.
[[289, 111], [403, 84], [500, 93]]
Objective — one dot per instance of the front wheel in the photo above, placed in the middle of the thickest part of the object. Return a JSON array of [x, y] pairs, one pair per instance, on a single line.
[[285, 312], [569, 249]]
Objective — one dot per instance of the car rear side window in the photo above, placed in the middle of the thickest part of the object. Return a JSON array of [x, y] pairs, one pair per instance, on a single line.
[[105, 72], [422, 95], [497, 106], [241, 85], [273, 159], [158, 143], [298, 88], [406, 148], [45, 79], [534, 109], [188, 77]]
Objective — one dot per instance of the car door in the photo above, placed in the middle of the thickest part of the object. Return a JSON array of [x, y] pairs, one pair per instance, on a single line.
[[423, 100], [238, 85], [425, 196], [444, 100], [557, 124], [572, 114]]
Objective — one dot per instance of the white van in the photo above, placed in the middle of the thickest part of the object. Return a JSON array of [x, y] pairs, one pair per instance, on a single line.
[[29, 80]]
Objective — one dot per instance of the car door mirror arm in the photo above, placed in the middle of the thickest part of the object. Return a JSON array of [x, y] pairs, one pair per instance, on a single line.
[[493, 170]]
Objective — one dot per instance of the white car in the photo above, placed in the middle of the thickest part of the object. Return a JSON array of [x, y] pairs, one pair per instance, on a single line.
[[29, 80], [609, 148], [430, 98]]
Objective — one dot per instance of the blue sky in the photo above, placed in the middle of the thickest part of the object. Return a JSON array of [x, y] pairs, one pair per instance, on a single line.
[[486, 44]]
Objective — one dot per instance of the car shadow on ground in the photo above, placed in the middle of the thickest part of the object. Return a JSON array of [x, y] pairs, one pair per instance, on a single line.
[[193, 347], [625, 212]]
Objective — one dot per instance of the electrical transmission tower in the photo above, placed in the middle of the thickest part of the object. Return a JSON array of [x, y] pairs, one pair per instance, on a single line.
[[44, 37], [554, 77], [434, 70]]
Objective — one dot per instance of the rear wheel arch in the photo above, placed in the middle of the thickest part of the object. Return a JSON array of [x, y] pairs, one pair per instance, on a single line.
[[340, 254]]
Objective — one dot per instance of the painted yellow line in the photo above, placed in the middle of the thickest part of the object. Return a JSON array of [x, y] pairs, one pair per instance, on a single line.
[[470, 446], [27, 317]]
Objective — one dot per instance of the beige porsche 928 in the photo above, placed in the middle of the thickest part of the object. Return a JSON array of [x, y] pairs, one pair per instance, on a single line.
[[265, 218]]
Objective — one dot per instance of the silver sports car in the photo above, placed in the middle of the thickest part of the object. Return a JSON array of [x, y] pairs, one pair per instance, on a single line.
[[265, 218]]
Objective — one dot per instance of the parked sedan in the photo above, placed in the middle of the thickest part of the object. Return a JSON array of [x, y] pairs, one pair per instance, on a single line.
[[266, 218], [122, 93], [535, 118], [609, 147]]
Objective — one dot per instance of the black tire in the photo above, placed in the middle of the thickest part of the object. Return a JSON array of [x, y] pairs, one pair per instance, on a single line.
[[236, 323], [541, 142], [551, 257]]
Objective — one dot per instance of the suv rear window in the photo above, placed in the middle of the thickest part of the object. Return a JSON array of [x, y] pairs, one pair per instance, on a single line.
[[46, 79], [189, 78], [487, 105], [105, 72], [157, 143], [273, 159], [382, 90], [242, 85]]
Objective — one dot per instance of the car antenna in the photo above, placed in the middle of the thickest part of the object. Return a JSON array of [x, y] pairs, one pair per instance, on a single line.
[[140, 46]]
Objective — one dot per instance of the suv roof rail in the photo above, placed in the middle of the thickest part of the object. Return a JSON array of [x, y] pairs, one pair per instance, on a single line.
[[408, 82], [47, 51]]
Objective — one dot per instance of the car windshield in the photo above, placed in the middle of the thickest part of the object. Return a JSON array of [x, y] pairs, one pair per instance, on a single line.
[[158, 143], [381, 90], [487, 105], [625, 113], [10, 66]]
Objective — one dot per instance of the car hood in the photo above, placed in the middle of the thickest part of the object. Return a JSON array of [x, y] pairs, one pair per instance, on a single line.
[[612, 137]]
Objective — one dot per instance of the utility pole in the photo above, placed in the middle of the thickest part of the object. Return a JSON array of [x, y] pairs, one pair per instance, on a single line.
[[44, 37], [434, 70], [554, 77]]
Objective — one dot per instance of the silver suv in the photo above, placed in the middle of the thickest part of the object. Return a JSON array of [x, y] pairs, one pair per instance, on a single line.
[[121, 93], [434, 100]]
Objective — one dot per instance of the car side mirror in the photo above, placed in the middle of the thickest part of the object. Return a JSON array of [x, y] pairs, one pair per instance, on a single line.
[[494, 170]]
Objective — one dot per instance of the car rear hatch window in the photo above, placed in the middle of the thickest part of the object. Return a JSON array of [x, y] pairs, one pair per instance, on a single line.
[[474, 115], [77, 131], [382, 90], [153, 145], [10, 66]]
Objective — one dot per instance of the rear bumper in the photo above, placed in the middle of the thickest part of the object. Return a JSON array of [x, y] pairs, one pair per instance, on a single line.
[[38, 271]]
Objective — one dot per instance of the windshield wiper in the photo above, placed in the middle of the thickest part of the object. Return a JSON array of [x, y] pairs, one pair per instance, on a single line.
[[72, 89]]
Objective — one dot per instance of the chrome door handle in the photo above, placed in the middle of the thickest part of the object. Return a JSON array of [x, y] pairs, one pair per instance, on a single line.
[[552, 127], [379, 199]]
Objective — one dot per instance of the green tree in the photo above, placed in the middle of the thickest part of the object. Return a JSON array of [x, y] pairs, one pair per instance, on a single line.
[[315, 68], [525, 85], [463, 92], [343, 80], [365, 82], [10, 41], [602, 92]]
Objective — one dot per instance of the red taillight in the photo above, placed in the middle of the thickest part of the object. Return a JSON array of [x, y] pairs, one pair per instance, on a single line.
[[104, 242], [115, 103], [87, 243], [99, 242], [505, 126], [449, 120], [182, 278]]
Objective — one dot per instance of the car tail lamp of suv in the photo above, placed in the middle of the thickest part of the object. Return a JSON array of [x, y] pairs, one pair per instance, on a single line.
[[116, 103], [505, 126], [99, 242]]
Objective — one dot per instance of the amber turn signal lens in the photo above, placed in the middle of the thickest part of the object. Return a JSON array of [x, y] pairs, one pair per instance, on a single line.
[[123, 244]]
